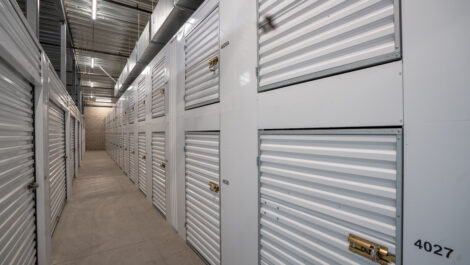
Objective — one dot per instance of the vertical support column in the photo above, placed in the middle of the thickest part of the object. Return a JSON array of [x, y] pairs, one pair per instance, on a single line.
[[32, 15], [43, 214], [69, 173], [63, 53]]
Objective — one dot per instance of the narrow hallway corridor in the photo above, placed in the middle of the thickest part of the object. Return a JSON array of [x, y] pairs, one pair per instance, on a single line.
[[109, 221]]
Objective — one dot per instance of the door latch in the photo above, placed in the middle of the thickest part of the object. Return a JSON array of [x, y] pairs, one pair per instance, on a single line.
[[214, 187], [213, 63], [162, 91], [144, 157], [370, 250], [33, 186], [163, 165]]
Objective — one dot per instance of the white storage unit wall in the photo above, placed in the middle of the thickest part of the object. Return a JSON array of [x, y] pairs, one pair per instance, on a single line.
[[319, 187], [132, 105], [312, 101], [303, 40], [202, 62], [159, 171], [142, 162], [203, 194], [126, 153], [17, 161], [57, 162]]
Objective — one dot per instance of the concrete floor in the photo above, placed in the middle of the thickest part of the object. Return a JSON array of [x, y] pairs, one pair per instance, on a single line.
[[109, 221]]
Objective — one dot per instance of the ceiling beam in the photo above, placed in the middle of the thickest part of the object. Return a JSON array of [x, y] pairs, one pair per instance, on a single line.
[[128, 6], [102, 52]]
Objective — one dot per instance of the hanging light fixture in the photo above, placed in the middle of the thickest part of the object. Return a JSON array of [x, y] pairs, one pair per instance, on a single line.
[[92, 63], [93, 9], [91, 84]]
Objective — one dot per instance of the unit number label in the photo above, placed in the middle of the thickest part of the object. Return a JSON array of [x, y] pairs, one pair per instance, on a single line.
[[435, 249]]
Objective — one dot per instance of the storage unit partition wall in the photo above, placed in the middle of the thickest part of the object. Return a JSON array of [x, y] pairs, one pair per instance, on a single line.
[[142, 161], [303, 40], [202, 62], [159, 163], [320, 187], [17, 161], [203, 194], [159, 88], [57, 162]]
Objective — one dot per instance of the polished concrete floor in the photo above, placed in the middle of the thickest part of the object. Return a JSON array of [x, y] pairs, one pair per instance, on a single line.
[[109, 221]]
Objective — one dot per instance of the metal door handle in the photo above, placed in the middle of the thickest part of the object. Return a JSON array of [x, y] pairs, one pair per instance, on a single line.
[[214, 187]]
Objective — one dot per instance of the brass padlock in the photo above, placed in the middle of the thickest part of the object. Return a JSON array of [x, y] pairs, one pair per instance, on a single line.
[[213, 63], [370, 250], [214, 187]]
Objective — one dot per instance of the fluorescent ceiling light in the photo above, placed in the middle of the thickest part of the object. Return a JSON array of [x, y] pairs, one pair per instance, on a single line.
[[93, 9], [92, 62], [91, 84], [105, 100]]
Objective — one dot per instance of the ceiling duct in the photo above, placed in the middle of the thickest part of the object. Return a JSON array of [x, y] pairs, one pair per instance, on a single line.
[[166, 19]]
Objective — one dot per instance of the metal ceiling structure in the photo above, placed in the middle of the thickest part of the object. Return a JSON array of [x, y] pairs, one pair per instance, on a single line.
[[109, 40]]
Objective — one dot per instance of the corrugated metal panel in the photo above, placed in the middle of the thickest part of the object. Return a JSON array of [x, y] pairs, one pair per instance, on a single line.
[[142, 171], [203, 204], [141, 89], [121, 149], [318, 187], [202, 80], [56, 162], [126, 153], [17, 204], [312, 39], [159, 87], [72, 146], [159, 171], [133, 157], [131, 108]]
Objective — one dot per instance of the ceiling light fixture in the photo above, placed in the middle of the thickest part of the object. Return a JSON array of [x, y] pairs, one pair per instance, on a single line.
[[93, 9], [92, 63], [104, 100], [91, 84]]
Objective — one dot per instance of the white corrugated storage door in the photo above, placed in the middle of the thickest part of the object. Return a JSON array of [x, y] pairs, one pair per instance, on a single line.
[[132, 159], [310, 39], [126, 153], [142, 161], [319, 187], [159, 171], [159, 88], [57, 184], [72, 147], [141, 96], [202, 202], [131, 108], [202, 63], [17, 203], [121, 149]]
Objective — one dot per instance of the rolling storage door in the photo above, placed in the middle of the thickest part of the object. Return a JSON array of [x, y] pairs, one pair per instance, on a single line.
[[159, 88], [141, 96], [126, 153], [132, 160], [202, 194], [303, 40], [159, 171], [57, 184], [131, 109], [72, 146], [201, 67], [318, 189], [17, 201], [142, 160]]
